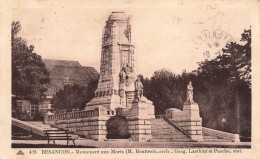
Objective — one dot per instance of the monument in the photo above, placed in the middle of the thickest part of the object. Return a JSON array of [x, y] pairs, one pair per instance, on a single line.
[[117, 66], [120, 111], [116, 92]]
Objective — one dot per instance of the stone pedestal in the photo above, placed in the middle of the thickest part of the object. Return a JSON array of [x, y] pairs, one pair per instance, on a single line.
[[188, 119], [139, 124], [129, 98]]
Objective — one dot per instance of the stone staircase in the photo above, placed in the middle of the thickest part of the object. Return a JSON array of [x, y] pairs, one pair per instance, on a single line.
[[35, 128], [207, 138], [162, 131]]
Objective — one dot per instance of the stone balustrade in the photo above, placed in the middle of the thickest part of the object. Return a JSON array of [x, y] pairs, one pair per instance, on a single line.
[[32, 128], [89, 123], [73, 115], [221, 134]]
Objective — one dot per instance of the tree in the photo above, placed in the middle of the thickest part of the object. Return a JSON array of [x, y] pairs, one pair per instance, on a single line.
[[92, 87], [237, 57], [74, 96], [222, 88], [166, 89], [30, 78]]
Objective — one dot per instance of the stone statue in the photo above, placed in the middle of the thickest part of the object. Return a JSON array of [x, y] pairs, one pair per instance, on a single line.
[[122, 75], [189, 99], [128, 69], [126, 75], [138, 89]]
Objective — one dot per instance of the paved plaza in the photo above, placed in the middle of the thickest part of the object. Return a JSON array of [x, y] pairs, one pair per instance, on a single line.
[[132, 144]]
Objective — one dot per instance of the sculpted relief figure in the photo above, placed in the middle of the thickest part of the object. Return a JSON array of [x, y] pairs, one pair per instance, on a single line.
[[122, 75], [138, 89], [127, 75], [128, 69]]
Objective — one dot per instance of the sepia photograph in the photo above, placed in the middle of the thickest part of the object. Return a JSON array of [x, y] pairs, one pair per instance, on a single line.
[[131, 77]]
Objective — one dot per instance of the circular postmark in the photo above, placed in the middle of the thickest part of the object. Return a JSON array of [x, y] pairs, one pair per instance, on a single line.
[[210, 42]]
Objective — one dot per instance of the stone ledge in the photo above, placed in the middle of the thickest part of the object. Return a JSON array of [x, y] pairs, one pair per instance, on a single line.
[[194, 132], [143, 126], [221, 134], [187, 120], [191, 123], [141, 137], [186, 128]]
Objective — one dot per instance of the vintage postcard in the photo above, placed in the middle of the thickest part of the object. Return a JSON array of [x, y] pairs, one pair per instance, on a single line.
[[129, 79]]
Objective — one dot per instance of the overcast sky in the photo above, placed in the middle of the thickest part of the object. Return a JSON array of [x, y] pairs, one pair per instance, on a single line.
[[163, 36]]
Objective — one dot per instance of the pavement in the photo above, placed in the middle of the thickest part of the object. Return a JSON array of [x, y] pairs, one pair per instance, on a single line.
[[132, 144], [123, 143]]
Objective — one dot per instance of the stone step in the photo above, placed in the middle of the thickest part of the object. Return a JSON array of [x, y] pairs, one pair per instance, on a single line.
[[118, 140], [169, 136], [209, 137], [162, 131], [166, 132], [170, 140], [215, 140]]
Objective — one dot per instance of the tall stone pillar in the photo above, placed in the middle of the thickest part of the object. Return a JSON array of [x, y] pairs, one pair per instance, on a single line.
[[116, 57], [116, 88]]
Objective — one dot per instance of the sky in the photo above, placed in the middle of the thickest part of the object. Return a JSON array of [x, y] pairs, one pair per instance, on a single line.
[[165, 36]]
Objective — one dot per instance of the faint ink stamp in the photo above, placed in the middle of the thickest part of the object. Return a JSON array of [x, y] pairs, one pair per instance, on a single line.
[[210, 42]]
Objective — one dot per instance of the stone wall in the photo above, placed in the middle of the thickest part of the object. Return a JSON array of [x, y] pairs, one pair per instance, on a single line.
[[188, 119], [139, 129], [221, 134], [191, 122], [91, 128], [91, 123], [139, 124]]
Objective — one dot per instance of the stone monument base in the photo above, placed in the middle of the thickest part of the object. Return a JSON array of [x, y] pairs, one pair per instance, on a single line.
[[188, 119], [139, 124], [92, 122]]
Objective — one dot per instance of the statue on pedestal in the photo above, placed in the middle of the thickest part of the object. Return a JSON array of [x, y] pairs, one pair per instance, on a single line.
[[189, 99], [138, 89]]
